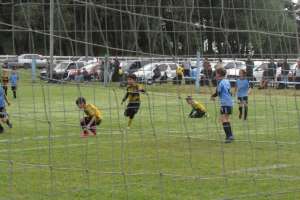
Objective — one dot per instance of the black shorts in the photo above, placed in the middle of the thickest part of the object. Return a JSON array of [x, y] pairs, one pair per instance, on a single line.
[[243, 99], [131, 110], [13, 88], [197, 114], [3, 112], [86, 120], [226, 110]]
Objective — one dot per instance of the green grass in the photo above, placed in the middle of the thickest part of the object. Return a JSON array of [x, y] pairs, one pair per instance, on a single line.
[[164, 156]]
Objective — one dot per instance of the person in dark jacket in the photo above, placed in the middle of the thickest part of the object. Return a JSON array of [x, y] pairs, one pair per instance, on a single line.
[[249, 71]]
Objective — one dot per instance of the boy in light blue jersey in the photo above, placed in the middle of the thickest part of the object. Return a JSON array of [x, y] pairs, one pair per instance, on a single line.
[[3, 113], [224, 93], [242, 91], [14, 82]]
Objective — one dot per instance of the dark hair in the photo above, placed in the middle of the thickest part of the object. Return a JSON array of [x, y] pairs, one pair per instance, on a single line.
[[80, 100], [132, 76], [221, 71], [189, 98], [243, 71]]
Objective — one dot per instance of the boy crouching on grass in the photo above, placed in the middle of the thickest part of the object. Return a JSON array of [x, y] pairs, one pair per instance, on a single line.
[[3, 113], [198, 109], [93, 118], [223, 91]]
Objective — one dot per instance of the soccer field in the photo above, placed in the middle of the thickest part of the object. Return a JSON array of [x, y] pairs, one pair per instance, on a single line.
[[165, 155]]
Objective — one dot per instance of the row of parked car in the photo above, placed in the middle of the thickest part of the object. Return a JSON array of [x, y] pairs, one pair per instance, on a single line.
[[146, 72], [142, 68]]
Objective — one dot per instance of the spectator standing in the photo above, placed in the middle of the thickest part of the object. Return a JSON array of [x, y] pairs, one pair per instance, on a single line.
[[285, 69], [297, 75], [268, 74], [156, 73], [249, 71], [207, 71], [179, 74]]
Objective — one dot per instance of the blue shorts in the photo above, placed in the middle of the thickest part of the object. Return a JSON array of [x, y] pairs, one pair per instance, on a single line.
[[226, 110], [243, 99]]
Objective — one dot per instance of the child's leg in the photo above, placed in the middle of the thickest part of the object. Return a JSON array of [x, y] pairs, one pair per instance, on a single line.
[[226, 126], [14, 89], [4, 117], [1, 128], [246, 110], [7, 121], [225, 111], [83, 127], [130, 121], [240, 108]]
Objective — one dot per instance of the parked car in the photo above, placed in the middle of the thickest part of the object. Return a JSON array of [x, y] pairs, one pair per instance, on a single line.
[[292, 70], [232, 70], [11, 62], [145, 74], [25, 60], [259, 70], [91, 70], [60, 71], [72, 70], [131, 66], [87, 60]]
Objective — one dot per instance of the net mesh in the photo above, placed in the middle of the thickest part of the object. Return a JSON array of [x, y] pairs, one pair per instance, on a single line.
[[165, 154]]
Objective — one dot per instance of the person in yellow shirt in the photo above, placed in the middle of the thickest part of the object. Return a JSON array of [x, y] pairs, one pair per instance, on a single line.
[[92, 119], [179, 74], [133, 96], [198, 109]]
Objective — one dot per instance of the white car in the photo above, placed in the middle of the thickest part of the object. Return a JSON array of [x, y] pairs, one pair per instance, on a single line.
[[291, 73], [25, 60], [233, 68], [146, 73], [87, 60]]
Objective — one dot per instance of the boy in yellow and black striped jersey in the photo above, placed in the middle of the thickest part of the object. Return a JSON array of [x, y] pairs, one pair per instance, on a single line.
[[133, 96], [198, 109], [93, 118]]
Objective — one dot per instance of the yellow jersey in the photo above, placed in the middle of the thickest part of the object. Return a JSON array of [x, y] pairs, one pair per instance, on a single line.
[[92, 111], [198, 106], [133, 93], [179, 71]]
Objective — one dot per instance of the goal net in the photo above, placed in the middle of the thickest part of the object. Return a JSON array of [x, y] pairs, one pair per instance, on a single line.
[[90, 51]]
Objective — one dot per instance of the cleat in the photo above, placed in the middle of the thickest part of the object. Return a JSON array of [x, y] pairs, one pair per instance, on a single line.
[[94, 132], [9, 125], [229, 140], [84, 134]]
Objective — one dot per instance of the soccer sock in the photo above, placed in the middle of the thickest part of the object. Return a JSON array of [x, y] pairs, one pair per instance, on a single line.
[[246, 112], [15, 94], [227, 129], [129, 122], [241, 111], [7, 122]]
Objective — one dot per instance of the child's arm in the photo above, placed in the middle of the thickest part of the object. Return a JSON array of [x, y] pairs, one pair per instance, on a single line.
[[249, 90], [214, 95], [125, 97], [191, 113], [91, 122], [5, 97], [235, 89]]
